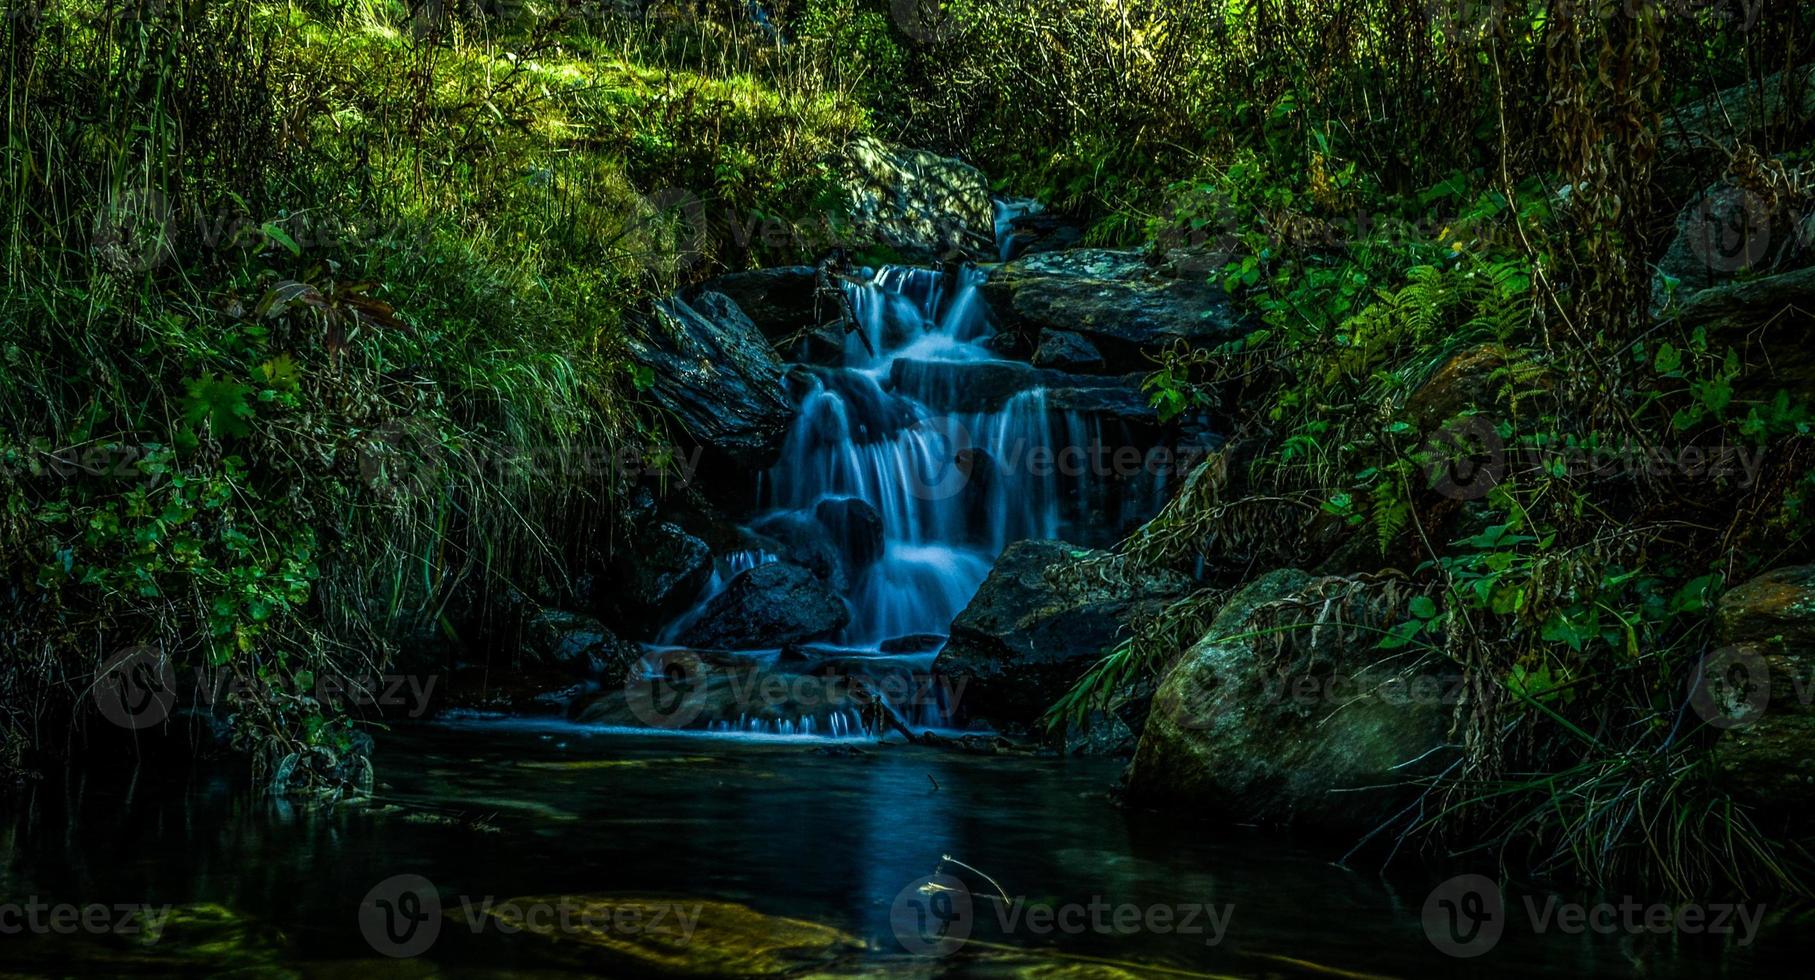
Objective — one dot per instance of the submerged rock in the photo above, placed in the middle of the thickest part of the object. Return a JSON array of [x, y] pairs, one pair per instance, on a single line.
[[769, 606], [1128, 309], [1046, 613], [917, 204], [1312, 727], [718, 375], [649, 935], [1755, 692]]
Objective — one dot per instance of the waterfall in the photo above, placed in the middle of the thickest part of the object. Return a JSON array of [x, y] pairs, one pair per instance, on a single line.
[[904, 453], [910, 465]]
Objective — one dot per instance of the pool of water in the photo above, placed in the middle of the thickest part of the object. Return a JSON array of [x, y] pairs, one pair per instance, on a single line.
[[809, 857]]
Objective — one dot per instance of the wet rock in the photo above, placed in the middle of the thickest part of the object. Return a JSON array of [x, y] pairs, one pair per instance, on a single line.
[[667, 936], [773, 605], [1766, 752], [921, 206], [1313, 728], [799, 538], [781, 301], [1067, 351], [1046, 613], [1040, 231], [856, 529], [912, 643], [718, 375], [986, 386], [657, 574], [1128, 309], [577, 644]]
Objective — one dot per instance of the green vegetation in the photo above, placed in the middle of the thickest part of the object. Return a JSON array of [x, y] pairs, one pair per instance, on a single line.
[[291, 286], [287, 281]]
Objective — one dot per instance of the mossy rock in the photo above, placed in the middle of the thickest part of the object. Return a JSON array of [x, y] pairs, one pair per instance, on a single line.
[[677, 937]]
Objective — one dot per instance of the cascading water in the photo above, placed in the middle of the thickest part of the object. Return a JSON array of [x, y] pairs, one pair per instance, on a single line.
[[924, 428], [861, 435]]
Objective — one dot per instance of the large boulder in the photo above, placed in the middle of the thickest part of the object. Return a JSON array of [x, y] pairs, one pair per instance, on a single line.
[[1046, 613], [656, 574], [714, 371], [1733, 116], [578, 644], [774, 605], [1127, 308], [986, 386], [781, 301], [1758, 694], [1067, 351], [1313, 728], [921, 206]]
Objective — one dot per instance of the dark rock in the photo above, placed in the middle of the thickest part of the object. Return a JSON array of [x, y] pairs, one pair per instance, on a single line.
[[716, 373], [798, 538], [1725, 119], [1039, 621], [913, 643], [781, 301], [1067, 351], [1040, 231], [856, 528], [978, 470], [657, 574], [769, 606], [921, 206], [1752, 690], [1128, 309], [986, 386], [1310, 728], [1466, 381], [577, 643]]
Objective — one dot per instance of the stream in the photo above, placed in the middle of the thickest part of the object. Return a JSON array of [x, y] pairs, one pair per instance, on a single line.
[[825, 832], [797, 839]]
